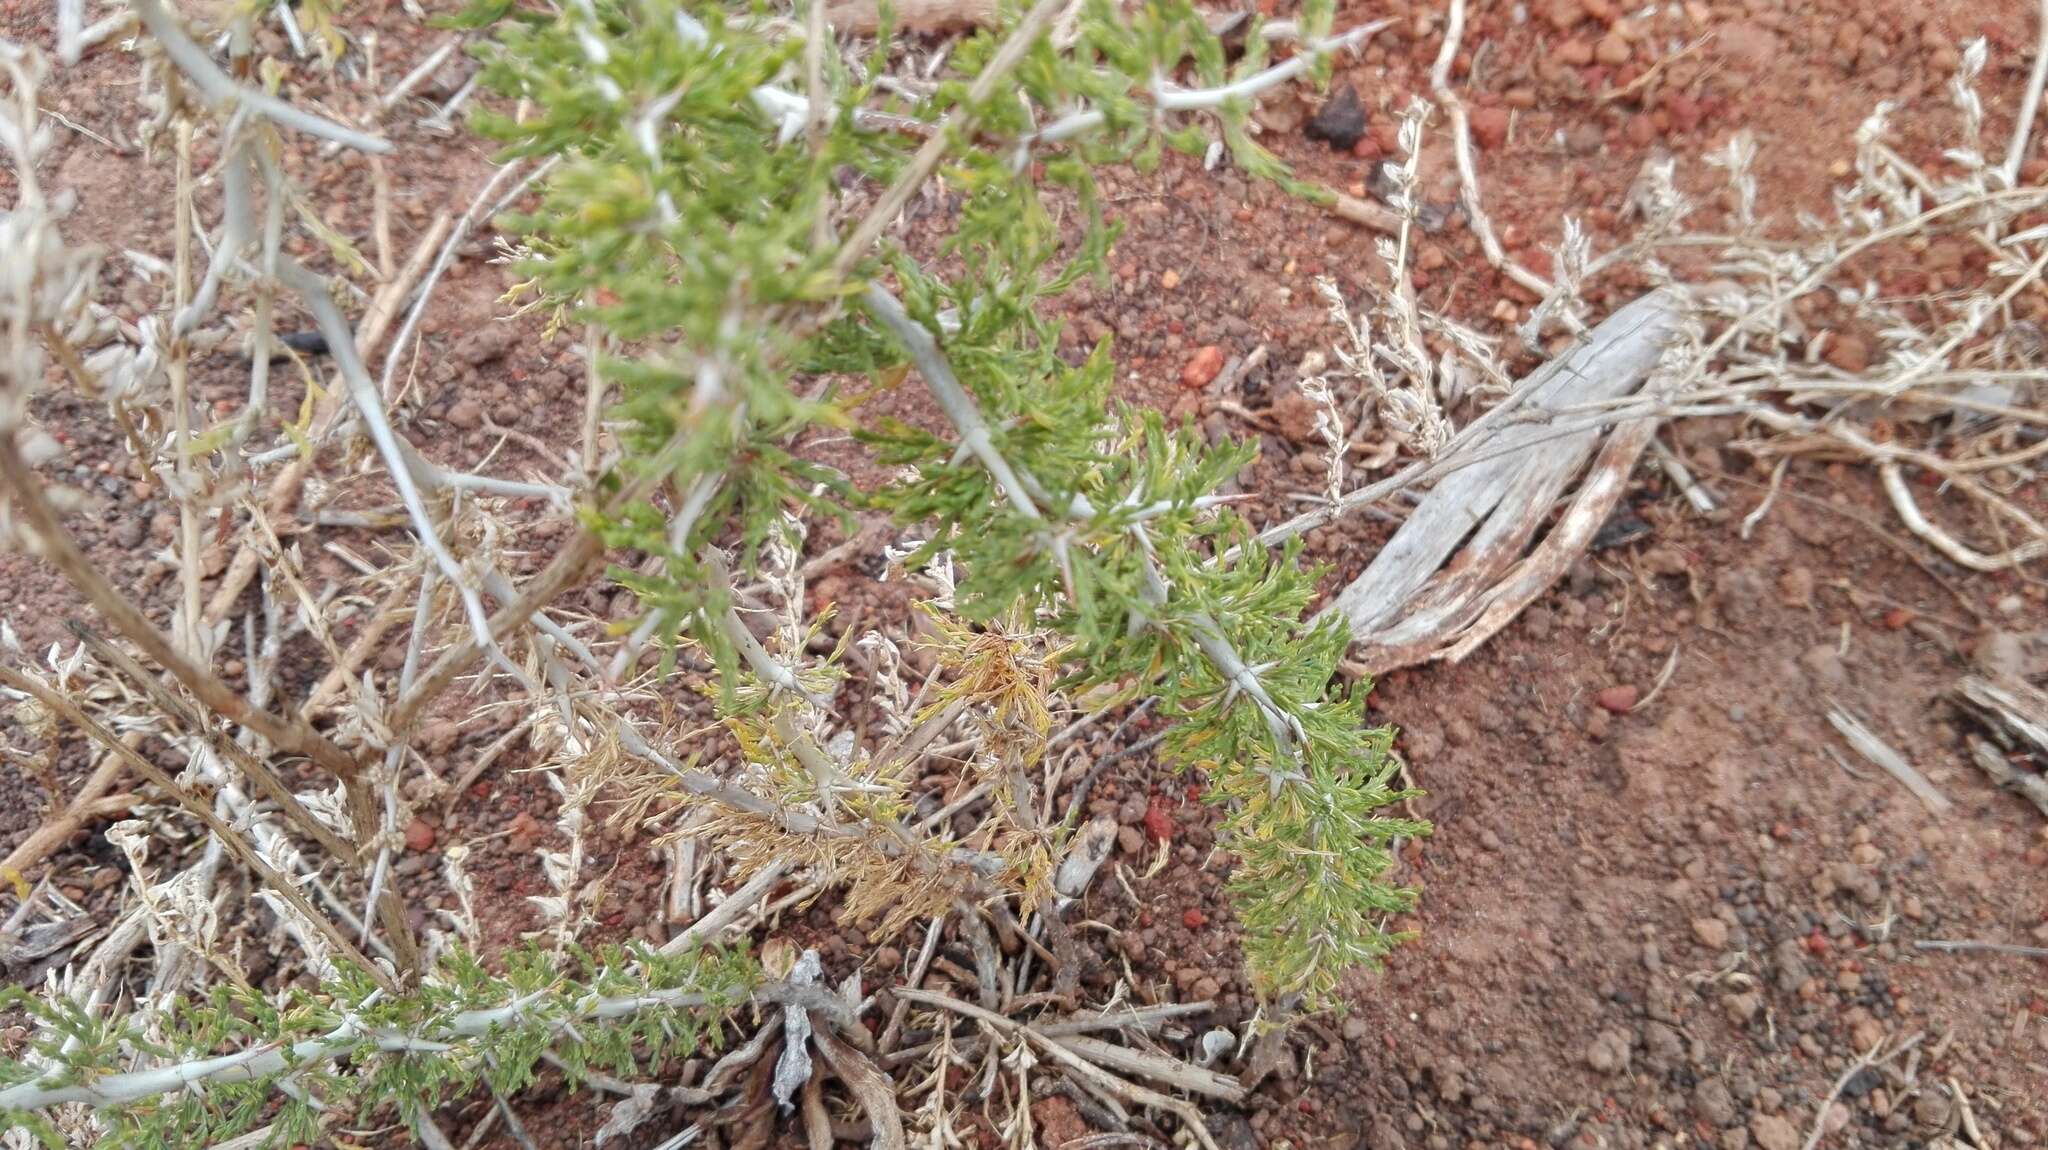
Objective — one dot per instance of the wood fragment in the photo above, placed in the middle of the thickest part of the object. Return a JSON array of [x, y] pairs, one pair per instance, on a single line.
[[27, 949], [1170, 1071], [1969, 1116], [1867, 744], [738, 903], [872, 1088], [1569, 538], [1486, 512], [92, 801], [1366, 214], [2034, 788], [817, 1120], [1085, 856], [2017, 715], [987, 964]]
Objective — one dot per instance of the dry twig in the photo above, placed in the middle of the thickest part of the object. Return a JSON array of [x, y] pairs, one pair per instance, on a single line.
[[1880, 752]]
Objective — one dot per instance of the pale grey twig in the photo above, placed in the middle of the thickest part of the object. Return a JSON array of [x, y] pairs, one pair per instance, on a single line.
[[1962, 946], [1173, 98], [953, 399], [2030, 105], [444, 116], [420, 72], [1468, 167], [290, 24], [1170, 98], [1867, 1060], [215, 84], [729, 910], [1871, 747], [370, 407], [270, 1058], [469, 219], [70, 24], [236, 211]]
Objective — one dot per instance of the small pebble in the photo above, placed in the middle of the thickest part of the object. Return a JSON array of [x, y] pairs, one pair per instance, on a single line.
[[1206, 365], [419, 835], [1712, 932], [1618, 699]]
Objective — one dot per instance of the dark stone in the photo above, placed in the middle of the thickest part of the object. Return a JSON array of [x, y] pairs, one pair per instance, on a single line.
[[1340, 122], [1861, 1083]]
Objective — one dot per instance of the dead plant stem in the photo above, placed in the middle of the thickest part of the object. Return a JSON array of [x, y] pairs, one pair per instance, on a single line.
[[203, 811]]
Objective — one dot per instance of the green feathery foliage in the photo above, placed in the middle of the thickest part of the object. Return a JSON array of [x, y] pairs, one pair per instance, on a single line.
[[692, 217], [621, 1012]]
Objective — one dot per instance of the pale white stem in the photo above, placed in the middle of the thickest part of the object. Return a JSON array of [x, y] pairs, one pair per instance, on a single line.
[[492, 485], [456, 236], [961, 410], [1069, 126], [739, 902], [2030, 105], [275, 1058], [1243, 677], [1172, 98], [177, 367], [953, 399], [1917, 522], [445, 115], [278, 454], [593, 401], [757, 657], [501, 587], [236, 212], [259, 342], [100, 31], [1240, 677], [370, 407], [70, 26], [1468, 167], [1080, 507], [290, 23], [420, 72], [216, 85], [114, 1089]]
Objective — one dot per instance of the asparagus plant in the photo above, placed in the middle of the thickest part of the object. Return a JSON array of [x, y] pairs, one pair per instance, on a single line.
[[698, 216], [718, 186]]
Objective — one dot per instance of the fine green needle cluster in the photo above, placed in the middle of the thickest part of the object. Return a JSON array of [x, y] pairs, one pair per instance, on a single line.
[[215, 1068], [708, 181]]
